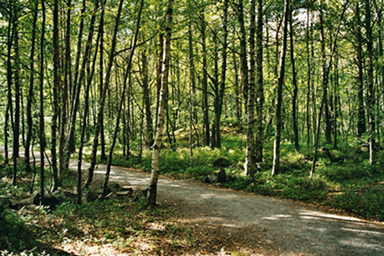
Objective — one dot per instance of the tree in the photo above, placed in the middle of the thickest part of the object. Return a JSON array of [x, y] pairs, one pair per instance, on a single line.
[[295, 88], [152, 193], [55, 88], [259, 84], [250, 153], [100, 113], [31, 87], [276, 144], [371, 90]]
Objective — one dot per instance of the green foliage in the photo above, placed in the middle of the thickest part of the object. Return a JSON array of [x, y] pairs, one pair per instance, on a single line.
[[14, 235], [368, 202]]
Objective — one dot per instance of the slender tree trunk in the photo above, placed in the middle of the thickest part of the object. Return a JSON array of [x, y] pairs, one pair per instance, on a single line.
[[148, 134], [64, 94], [10, 36], [205, 83], [122, 101], [30, 91], [192, 82], [371, 89], [361, 127], [309, 79], [238, 96], [326, 73], [250, 151], [6, 124], [16, 135], [295, 89], [158, 71], [42, 133], [55, 88], [259, 85], [152, 193], [101, 32], [103, 96], [327, 117], [221, 85], [243, 53], [77, 85], [276, 145], [84, 125]]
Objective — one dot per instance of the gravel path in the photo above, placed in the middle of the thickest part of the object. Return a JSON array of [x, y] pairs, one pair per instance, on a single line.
[[263, 225], [258, 225]]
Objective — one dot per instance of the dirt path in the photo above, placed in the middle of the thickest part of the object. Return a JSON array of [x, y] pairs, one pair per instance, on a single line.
[[258, 225]]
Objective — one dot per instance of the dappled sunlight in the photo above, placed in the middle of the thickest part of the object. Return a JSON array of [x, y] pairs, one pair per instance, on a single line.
[[277, 217], [318, 215]]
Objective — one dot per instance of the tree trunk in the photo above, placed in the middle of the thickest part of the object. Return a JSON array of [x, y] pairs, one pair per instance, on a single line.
[[259, 85], [127, 72], [101, 74], [84, 125], [250, 152], [370, 86], [243, 54], [55, 88], [192, 82], [64, 94], [221, 85], [276, 145], [77, 86], [324, 77], [205, 104], [309, 79], [152, 193], [103, 96], [30, 91], [148, 134], [16, 135], [42, 133], [295, 89]]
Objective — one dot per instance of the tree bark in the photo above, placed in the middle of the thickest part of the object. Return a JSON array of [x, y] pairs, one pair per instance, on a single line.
[[30, 91], [295, 89], [77, 86], [103, 96], [371, 89], [152, 193], [324, 77], [205, 105], [259, 85], [64, 94], [361, 127], [55, 88], [42, 133], [250, 151], [276, 145]]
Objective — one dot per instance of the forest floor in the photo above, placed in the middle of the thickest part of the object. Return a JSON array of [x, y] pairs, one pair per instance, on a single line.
[[229, 222]]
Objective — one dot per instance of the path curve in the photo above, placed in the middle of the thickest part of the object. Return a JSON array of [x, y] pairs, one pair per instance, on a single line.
[[283, 226]]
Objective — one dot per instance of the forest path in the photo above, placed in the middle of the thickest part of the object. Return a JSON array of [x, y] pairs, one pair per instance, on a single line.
[[258, 225]]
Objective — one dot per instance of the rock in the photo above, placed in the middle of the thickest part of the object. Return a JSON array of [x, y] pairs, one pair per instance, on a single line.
[[222, 162], [111, 196], [125, 193]]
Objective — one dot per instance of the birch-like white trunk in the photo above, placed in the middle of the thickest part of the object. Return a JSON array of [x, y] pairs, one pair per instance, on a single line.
[[152, 192]]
